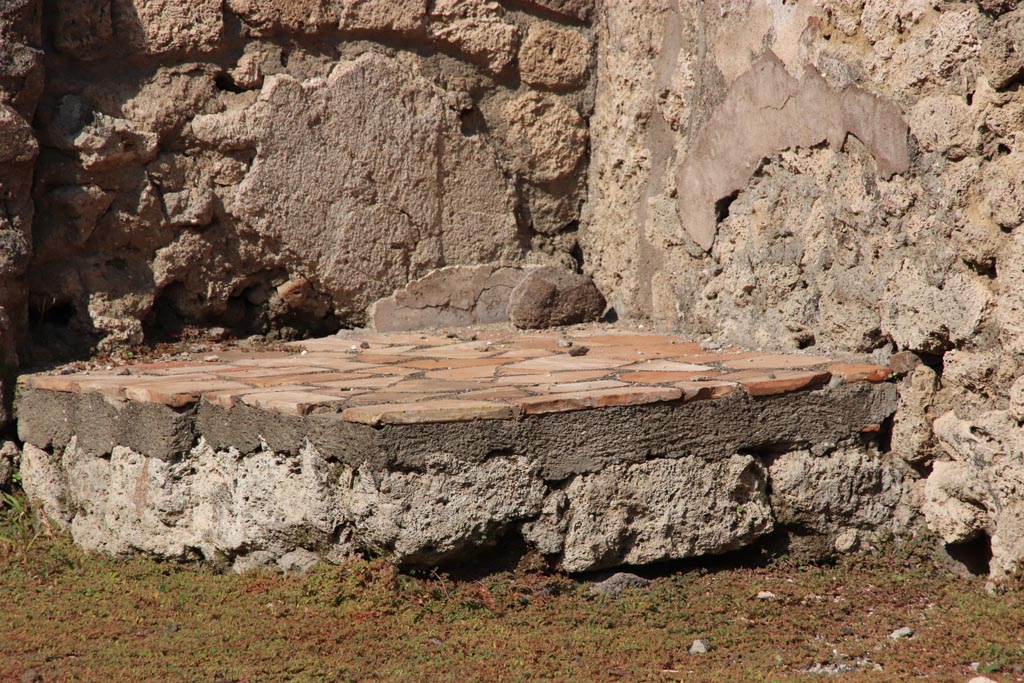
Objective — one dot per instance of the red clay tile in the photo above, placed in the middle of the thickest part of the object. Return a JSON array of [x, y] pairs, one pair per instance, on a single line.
[[524, 354], [761, 383], [429, 411], [178, 393], [360, 382], [706, 391], [253, 374], [494, 394], [636, 340], [301, 378], [447, 363], [656, 377], [551, 377], [664, 366], [228, 398], [603, 398], [575, 387], [560, 362], [65, 383], [852, 372], [290, 402], [775, 361], [438, 385], [385, 396], [479, 373]]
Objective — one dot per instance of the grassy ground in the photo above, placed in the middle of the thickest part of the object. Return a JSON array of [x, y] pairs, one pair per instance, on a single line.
[[70, 616]]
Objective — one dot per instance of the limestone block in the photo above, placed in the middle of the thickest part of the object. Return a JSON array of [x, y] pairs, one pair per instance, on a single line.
[[922, 315], [912, 426], [943, 124], [1002, 52], [303, 16], [663, 510], [423, 518], [554, 58], [83, 28], [982, 488], [365, 178], [383, 16], [579, 10], [850, 488], [157, 27], [548, 137], [67, 217], [475, 29]]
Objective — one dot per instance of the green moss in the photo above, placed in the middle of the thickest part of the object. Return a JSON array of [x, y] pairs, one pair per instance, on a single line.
[[74, 616]]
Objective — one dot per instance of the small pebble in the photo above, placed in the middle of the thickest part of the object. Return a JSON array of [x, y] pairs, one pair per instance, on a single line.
[[564, 343], [700, 647], [364, 345], [901, 633], [578, 351], [766, 595], [619, 582], [120, 372], [213, 358]]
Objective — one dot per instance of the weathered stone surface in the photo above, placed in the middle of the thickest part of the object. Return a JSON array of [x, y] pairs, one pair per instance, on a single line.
[[618, 583], [574, 9], [554, 58], [101, 142], [547, 136], [67, 216], [83, 28], [637, 514], [156, 27], [551, 296], [21, 85], [398, 16], [372, 203], [450, 297], [302, 16], [850, 491], [770, 111], [424, 518], [912, 425], [1002, 53], [476, 30], [10, 457], [981, 488]]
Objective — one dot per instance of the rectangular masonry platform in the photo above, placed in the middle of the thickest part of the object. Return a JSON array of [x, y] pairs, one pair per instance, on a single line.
[[593, 448], [495, 375]]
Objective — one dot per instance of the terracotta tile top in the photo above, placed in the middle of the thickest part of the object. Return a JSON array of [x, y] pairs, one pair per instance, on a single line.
[[464, 375]]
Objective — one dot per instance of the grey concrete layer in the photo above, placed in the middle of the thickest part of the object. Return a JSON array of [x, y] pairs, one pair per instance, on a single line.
[[563, 444]]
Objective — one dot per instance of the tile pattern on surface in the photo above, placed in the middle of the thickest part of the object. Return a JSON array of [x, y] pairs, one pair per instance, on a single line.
[[411, 378]]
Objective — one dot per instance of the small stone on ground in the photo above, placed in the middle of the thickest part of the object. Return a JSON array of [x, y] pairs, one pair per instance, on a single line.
[[619, 582]]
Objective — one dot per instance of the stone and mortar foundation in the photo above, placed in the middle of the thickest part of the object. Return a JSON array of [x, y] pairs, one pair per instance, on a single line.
[[664, 471]]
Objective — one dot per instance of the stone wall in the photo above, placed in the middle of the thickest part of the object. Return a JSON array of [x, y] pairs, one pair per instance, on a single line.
[[21, 82], [269, 165], [837, 174]]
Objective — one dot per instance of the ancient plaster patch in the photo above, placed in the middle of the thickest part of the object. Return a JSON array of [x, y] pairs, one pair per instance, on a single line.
[[765, 111]]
